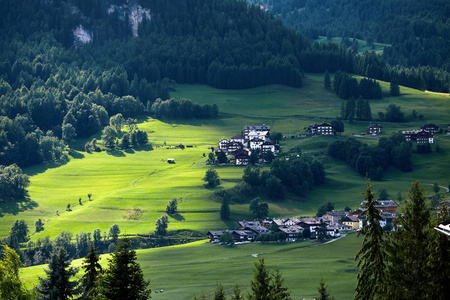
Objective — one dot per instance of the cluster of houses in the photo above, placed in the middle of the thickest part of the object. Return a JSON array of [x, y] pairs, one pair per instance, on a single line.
[[254, 138], [422, 136], [335, 222], [327, 129]]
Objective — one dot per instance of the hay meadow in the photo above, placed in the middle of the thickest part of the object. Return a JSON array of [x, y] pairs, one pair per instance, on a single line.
[[121, 181]]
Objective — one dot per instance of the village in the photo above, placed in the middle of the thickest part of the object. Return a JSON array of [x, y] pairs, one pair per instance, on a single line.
[[330, 225], [257, 140]]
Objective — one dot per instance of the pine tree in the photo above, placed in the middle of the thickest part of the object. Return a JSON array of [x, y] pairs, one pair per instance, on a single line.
[[237, 293], [219, 293], [225, 210], [438, 265], [327, 80], [322, 289], [394, 87], [260, 283], [124, 278], [372, 255], [408, 249], [57, 284], [277, 289], [92, 270]]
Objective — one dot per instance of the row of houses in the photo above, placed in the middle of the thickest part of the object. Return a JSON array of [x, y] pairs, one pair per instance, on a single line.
[[327, 129], [255, 138], [334, 222]]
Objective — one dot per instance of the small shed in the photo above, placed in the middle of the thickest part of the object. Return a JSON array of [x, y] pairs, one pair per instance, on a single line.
[[171, 160]]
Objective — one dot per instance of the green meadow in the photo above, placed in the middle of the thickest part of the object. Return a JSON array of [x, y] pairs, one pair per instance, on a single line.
[[121, 181], [197, 268], [363, 46]]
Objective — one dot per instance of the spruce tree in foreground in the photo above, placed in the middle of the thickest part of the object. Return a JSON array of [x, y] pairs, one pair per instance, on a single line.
[[124, 278], [371, 258], [408, 248], [57, 284], [92, 270], [323, 293], [438, 265]]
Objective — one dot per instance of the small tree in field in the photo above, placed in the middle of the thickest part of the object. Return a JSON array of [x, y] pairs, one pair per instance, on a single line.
[[172, 206], [212, 178], [161, 225]]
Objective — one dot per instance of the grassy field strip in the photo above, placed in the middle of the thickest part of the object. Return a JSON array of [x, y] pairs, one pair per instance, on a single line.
[[120, 181], [197, 268]]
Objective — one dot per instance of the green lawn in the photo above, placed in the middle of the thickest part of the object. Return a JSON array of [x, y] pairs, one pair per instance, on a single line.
[[141, 178], [182, 271], [120, 181]]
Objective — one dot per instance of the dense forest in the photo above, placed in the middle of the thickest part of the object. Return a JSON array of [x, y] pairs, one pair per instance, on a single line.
[[419, 31], [66, 67]]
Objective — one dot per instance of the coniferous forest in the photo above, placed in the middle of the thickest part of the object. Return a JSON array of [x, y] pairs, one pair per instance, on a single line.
[[75, 69]]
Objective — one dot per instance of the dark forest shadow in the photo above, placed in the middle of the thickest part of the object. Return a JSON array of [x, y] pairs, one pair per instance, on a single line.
[[76, 154], [13, 207], [115, 152], [41, 168]]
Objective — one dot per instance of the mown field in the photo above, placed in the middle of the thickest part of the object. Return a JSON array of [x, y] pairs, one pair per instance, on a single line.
[[120, 181], [197, 268]]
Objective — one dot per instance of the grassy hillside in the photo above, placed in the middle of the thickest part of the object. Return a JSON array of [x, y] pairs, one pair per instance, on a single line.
[[182, 271], [120, 181]]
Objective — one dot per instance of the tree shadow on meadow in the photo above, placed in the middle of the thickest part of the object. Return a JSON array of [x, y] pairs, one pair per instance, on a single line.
[[115, 152], [41, 168], [14, 207], [76, 154], [177, 217]]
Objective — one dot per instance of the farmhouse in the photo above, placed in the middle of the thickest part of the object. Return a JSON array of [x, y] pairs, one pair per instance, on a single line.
[[292, 232], [430, 128], [241, 157], [351, 221], [334, 217], [223, 145], [248, 129], [374, 129], [389, 206], [238, 139], [320, 129], [419, 136]]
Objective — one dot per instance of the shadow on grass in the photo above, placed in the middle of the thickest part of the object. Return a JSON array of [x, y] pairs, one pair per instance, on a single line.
[[147, 147], [14, 207], [41, 168], [177, 217], [115, 152], [76, 154], [130, 151]]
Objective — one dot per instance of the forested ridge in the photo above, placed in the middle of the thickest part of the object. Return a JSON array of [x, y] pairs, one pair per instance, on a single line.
[[418, 30], [54, 86]]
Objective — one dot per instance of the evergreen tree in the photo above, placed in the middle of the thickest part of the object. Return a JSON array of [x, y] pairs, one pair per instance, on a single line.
[[219, 293], [237, 293], [225, 210], [408, 249], [394, 87], [124, 278], [438, 265], [327, 80], [322, 289], [372, 255], [260, 283], [277, 289], [172, 206], [57, 284], [161, 225], [92, 270]]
